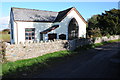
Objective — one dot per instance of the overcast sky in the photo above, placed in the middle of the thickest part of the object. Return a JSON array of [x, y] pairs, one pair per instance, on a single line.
[[86, 9]]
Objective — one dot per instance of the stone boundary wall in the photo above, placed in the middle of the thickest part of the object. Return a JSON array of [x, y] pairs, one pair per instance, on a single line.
[[27, 50], [80, 42], [73, 44], [33, 49], [2, 51], [102, 39], [1, 55]]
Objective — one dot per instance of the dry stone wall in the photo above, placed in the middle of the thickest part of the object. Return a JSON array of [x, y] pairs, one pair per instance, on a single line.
[[33, 49], [1, 56], [27, 50], [2, 51], [105, 38]]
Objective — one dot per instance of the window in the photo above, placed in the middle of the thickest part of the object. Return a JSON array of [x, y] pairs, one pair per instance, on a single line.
[[29, 33], [73, 29], [62, 36], [52, 36], [41, 36]]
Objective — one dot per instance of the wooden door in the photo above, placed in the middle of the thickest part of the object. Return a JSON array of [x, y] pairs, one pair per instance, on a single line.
[[52, 36]]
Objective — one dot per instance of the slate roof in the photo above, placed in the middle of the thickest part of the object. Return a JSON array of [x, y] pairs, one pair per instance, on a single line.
[[62, 14], [23, 14], [33, 15]]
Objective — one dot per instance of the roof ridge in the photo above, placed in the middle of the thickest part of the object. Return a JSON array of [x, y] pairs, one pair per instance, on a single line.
[[32, 9], [67, 9], [47, 15], [63, 13]]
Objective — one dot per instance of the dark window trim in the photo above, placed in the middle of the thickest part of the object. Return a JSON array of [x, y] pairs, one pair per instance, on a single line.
[[73, 29], [29, 35]]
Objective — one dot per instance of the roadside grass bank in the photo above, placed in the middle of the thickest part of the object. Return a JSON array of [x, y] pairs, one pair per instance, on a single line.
[[22, 68], [5, 37]]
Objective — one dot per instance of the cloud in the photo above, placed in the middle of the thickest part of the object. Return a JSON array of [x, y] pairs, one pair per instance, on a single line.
[[4, 21]]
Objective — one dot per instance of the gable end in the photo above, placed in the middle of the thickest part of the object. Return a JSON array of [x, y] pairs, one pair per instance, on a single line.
[[68, 13]]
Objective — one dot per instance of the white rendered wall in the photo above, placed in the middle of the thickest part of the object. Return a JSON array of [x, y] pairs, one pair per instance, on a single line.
[[15, 33], [63, 25], [39, 26], [82, 25]]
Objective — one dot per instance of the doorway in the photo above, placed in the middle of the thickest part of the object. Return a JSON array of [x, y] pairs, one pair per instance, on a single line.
[[62, 36], [41, 36], [52, 36]]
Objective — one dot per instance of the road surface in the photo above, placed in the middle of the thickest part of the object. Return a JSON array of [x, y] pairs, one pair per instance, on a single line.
[[101, 62]]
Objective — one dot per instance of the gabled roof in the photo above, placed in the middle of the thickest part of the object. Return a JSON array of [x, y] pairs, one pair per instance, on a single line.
[[23, 14], [62, 14], [33, 15]]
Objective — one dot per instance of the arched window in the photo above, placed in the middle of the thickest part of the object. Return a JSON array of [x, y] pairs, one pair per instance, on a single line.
[[62, 36], [73, 29]]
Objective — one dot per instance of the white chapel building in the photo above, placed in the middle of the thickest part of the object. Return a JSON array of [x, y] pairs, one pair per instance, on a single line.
[[36, 25]]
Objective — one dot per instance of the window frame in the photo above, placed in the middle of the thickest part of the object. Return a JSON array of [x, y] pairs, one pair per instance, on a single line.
[[73, 29], [30, 36]]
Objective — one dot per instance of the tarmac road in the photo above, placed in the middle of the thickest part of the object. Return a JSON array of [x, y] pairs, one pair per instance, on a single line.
[[101, 62]]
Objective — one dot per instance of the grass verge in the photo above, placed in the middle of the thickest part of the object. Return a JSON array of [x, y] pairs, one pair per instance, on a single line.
[[21, 68], [5, 37]]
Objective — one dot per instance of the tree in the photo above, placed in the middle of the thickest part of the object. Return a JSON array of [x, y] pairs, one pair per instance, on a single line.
[[107, 23], [93, 30]]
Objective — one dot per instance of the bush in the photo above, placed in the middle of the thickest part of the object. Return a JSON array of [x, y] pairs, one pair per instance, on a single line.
[[94, 32]]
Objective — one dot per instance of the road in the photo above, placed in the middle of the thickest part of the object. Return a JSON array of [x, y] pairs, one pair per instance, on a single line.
[[101, 62]]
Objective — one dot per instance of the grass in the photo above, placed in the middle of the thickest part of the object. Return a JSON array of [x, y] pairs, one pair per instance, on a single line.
[[27, 66], [32, 65], [0, 69], [5, 37]]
